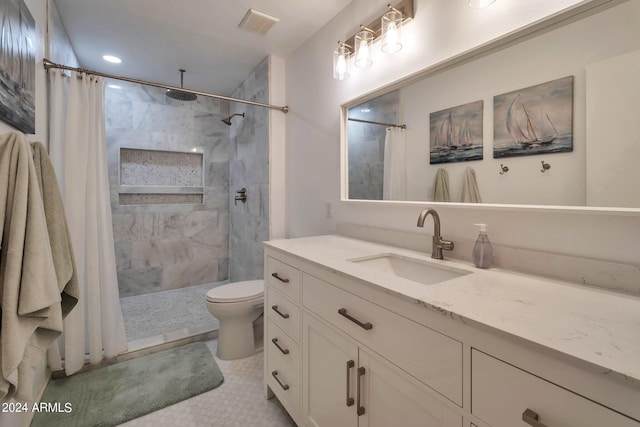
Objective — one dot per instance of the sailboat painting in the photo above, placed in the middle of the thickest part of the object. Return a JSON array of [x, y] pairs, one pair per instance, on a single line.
[[17, 65], [456, 134], [534, 120]]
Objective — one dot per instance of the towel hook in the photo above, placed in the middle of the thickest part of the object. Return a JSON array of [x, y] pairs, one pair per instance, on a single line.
[[545, 167], [503, 169]]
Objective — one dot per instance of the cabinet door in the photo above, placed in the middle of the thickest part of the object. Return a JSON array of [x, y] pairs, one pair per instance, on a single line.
[[390, 397], [330, 363]]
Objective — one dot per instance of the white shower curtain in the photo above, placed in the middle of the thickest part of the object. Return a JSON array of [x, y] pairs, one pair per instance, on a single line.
[[77, 148], [395, 175]]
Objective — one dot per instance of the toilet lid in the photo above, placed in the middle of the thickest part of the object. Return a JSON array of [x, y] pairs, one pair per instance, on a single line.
[[237, 291]]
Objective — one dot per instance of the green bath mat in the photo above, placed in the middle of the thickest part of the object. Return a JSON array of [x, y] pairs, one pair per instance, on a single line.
[[117, 393]]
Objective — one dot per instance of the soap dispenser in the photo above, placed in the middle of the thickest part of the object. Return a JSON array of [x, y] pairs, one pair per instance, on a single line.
[[482, 251]]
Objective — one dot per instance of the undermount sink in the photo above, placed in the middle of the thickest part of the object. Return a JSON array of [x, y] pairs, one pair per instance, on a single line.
[[411, 269]]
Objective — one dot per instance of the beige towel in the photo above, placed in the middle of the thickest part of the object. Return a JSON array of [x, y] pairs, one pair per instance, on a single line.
[[29, 294], [57, 228], [441, 187], [470, 192]]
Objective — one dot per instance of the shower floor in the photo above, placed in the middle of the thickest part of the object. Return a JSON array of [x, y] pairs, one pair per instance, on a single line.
[[168, 315]]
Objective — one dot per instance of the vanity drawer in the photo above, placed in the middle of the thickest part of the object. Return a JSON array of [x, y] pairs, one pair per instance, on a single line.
[[501, 393], [284, 378], [432, 358], [284, 313], [284, 277], [282, 345]]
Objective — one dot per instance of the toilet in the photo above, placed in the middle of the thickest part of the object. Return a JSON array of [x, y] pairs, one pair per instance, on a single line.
[[237, 306]]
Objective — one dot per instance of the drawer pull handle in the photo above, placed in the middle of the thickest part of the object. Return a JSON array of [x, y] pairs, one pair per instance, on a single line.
[[343, 312], [282, 279], [275, 308], [283, 350], [350, 364], [531, 418], [275, 375], [361, 372]]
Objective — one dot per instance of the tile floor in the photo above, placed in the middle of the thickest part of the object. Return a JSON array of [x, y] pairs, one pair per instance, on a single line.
[[238, 402]]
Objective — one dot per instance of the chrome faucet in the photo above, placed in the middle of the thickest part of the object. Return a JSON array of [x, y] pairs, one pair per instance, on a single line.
[[438, 243]]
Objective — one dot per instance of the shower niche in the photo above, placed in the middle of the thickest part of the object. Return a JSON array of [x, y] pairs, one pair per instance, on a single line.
[[150, 177]]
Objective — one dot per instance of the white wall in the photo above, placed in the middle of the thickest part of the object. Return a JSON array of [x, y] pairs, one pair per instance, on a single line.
[[440, 30]]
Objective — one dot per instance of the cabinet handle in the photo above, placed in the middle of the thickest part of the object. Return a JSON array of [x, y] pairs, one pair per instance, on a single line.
[[283, 280], [361, 372], [531, 418], [350, 364], [275, 375], [283, 350], [275, 308], [343, 312]]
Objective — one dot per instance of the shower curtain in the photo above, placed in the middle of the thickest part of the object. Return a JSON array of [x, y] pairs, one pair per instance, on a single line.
[[78, 152], [395, 178]]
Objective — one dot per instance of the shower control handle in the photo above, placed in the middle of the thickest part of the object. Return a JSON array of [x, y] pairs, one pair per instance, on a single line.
[[242, 196]]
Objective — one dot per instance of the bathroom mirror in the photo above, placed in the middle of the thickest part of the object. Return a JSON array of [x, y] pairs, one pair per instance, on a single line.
[[562, 105]]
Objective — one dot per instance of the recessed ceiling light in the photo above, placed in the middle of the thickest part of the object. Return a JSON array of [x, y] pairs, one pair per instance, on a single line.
[[112, 59], [114, 86], [365, 110]]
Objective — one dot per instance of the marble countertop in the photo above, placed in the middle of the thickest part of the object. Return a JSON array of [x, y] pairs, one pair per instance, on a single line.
[[597, 326]]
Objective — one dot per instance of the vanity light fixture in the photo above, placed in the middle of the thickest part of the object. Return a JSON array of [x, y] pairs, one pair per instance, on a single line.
[[363, 41], [341, 61], [479, 4], [387, 27]]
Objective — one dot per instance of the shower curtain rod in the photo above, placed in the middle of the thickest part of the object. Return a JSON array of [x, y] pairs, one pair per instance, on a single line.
[[49, 64], [378, 123]]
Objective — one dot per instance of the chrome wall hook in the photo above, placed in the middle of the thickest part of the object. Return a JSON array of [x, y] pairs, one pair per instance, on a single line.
[[503, 169], [545, 167]]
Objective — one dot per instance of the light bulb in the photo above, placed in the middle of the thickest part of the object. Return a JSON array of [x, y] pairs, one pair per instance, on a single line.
[[363, 52], [341, 62], [391, 25], [341, 66], [391, 43]]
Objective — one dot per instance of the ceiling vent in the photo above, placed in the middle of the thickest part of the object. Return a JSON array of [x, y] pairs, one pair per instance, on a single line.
[[257, 22]]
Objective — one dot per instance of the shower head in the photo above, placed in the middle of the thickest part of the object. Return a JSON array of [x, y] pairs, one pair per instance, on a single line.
[[180, 95], [227, 120]]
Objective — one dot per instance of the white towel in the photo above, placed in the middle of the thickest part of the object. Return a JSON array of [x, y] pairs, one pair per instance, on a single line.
[[29, 293], [441, 187], [470, 192], [395, 173]]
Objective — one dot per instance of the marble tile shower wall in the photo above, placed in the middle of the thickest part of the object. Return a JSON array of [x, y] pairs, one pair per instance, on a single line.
[[249, 168], [366, 145], [162, 246]]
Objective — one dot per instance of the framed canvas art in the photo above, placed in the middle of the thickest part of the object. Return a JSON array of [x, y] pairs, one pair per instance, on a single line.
[[456, 134], [17, 65], [534, 120]]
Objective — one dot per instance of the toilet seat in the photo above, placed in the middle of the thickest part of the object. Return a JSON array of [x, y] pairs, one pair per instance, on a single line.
[[237, 292]]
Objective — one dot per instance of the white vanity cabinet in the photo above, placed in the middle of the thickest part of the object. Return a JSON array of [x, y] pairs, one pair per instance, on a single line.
[[341, 350], [390, 371]]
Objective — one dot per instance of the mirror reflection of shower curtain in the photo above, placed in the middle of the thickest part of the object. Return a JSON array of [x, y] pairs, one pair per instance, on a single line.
[[395, 175], [78, 151]]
